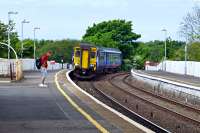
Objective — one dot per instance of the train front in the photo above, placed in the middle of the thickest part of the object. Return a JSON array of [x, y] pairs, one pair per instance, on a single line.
[[84, 61]]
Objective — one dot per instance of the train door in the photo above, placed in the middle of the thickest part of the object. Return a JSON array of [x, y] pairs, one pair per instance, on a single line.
[[85, 59], [76, 56]]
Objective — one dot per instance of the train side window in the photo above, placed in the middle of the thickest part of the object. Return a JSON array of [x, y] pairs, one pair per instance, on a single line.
[[92, 55], [101, 58], [111, 58], [78, 53], [116, 58]]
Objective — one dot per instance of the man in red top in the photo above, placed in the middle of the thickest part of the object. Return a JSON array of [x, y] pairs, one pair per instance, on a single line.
[[44, 66]]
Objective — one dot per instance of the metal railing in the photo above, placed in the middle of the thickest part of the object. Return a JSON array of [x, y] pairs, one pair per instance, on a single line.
[[177, 95], [171, 93]]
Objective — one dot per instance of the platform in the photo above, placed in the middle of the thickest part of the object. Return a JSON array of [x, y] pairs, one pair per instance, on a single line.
[[184, 79], [5, 80], [25, 107]]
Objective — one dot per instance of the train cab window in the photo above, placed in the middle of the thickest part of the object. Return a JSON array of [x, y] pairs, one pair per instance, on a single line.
[[92, 54], [78, 53]]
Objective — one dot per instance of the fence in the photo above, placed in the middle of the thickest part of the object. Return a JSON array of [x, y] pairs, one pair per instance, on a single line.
[[27, 65], [7, 68], [11, 69], [185, 94], [180, 67]]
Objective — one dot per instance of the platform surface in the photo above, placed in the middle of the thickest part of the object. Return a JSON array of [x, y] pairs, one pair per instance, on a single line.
[[27, 108], [185, 79]]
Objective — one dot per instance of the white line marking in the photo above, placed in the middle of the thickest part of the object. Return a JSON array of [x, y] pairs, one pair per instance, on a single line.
[[5, 81], [62, 110], [79, 109]]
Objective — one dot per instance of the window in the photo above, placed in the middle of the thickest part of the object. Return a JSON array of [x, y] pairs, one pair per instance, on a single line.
[[101, 58], [78, 53], [92, 55], [116, 58], [113, 58]]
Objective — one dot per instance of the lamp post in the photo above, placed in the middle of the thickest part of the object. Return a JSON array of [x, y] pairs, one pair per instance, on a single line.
[[165, 56], [22, 46], [35, 28], [186, 44], [9, 13]]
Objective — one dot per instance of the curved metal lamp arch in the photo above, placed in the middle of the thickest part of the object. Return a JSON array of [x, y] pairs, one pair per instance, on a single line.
[[10, 48]]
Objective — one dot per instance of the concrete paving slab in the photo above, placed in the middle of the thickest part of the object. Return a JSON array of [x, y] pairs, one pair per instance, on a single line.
[[25, 107]]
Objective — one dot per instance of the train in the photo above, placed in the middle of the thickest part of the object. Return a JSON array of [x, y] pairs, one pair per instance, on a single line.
[[89, 60]]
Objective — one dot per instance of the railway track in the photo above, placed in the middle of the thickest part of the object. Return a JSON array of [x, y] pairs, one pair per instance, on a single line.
[[148, 100], [159, 97], [119, 107], [132, 115], [105, 88], [192, 108]]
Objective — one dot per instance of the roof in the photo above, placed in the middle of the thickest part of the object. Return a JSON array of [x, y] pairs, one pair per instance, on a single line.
[[103, 49], [86, 45], [113, 50]]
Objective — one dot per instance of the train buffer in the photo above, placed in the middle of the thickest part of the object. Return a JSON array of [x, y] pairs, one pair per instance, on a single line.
[[59, 108]]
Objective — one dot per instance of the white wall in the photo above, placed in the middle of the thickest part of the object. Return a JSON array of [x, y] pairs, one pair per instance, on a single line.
[[151, 68], [5, 66], [193, 68], [27, 65]]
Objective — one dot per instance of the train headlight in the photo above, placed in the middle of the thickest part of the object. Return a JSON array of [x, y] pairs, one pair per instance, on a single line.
[[91, 65], [76, 64]]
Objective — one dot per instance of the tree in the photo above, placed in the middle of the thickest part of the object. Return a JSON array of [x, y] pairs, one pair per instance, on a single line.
[[114, 34], [4, 37], [111, 33], [61, 49], [172, 47], [194, 51], [190, 28], [179, 55], [141, 54], [154, 51], [28, 48]]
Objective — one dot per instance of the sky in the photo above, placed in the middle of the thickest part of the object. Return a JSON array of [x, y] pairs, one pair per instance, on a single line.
[[69, 19]]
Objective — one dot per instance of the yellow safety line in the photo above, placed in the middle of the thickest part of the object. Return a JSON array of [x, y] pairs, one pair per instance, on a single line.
[[79, 109]]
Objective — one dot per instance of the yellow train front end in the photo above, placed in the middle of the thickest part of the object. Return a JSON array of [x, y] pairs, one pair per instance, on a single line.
[[84, 61]]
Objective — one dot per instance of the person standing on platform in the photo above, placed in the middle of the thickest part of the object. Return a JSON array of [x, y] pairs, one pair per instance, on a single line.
[[44, 66]]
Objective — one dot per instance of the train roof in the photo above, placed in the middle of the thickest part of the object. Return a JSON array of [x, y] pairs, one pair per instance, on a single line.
[[103, 49], [110, 50], [86, 45]]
